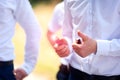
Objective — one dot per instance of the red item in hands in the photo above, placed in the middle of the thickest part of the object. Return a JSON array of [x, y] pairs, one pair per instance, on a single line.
[[78, 41]]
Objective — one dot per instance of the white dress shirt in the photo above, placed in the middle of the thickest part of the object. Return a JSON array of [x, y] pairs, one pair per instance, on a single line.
[[100, 20], [56, 24], [12, 11]]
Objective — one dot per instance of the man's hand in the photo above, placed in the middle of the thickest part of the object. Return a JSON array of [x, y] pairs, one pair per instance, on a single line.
[[86, 47], [20, 74], [61, 48]]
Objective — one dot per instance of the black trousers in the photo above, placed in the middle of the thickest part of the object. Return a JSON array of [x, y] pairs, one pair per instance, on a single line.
[[79, 75], [63, 72], [6, 70]]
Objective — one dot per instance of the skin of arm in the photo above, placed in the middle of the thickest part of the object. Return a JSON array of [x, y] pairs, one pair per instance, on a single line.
[[60, 45]]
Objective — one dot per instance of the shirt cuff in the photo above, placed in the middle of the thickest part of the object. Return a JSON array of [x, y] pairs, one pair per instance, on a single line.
[[103, 47], [28, 69]]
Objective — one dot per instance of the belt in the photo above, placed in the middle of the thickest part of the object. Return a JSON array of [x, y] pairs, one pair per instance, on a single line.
[[64, 68], [5, 63], [93, 77]]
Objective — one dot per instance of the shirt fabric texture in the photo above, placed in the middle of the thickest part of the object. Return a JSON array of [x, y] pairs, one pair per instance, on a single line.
[[56, 24], [12, 11], [100, 20]]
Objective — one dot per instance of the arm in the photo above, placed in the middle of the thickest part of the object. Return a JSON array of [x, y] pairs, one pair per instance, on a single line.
[[52, 37], [64, 49], [26, 18], [67, 28], [55, 24], [108, 47]]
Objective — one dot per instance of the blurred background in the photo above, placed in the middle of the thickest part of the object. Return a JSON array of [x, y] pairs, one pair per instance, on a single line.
[[48, 61]]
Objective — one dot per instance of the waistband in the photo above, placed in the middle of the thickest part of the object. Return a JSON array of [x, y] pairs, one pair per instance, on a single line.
[[5, 63], [64, 68], [92, 77]]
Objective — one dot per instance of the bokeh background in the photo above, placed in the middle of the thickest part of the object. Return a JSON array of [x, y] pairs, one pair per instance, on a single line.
[[48, 61]]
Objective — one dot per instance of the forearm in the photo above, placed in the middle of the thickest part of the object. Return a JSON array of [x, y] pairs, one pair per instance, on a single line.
[[32, 48], [108, 48]]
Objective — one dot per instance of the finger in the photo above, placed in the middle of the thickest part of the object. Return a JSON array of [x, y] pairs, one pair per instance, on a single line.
[[64, 41], [67, 52], [18, 77], [20, 74], [82, 35], [64, 52], [76, 46], [59, 47], [61, 41]]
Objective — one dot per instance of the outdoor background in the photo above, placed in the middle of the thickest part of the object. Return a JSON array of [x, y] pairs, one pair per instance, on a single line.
[[48, 61]]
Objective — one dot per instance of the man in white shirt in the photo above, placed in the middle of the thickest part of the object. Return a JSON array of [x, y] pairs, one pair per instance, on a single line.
[[12, 11], [55, 25], [97, 24]]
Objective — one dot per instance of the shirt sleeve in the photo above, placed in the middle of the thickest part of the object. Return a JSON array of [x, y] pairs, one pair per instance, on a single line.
[[26, 18], [108, 47], [56, 21], [67, 28]]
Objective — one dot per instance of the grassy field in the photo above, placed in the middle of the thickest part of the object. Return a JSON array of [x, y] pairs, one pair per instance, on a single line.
[[48, 61]]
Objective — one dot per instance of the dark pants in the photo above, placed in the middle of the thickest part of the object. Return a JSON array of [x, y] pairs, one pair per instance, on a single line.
[[63, 72], [6, 71], [79, 75]]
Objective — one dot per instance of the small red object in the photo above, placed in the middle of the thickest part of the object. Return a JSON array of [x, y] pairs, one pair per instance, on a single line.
[[78, 41]]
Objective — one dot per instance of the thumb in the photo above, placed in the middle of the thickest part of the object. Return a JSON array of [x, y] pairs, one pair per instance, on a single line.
[[82, 35]]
